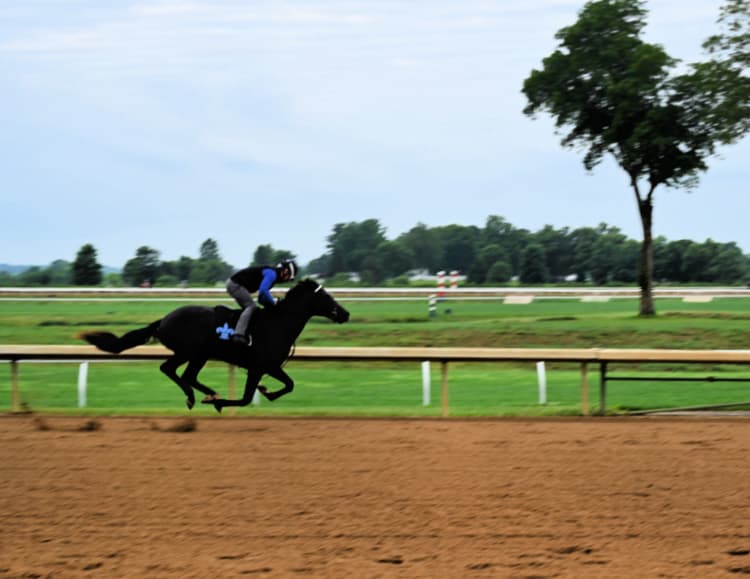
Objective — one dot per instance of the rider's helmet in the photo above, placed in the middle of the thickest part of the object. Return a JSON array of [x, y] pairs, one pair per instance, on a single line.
[[288, 265]]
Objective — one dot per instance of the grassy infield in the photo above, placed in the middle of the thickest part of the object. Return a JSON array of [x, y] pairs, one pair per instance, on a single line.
[[395, 389]]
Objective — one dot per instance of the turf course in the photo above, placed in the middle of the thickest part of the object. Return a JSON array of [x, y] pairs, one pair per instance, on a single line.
[[395, 389]]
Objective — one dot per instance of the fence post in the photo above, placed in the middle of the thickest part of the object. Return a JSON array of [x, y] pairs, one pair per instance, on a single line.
[[432, 306], [15, 397], [83, 372], [454, 280], [444, 387], [585, 409], [542, 380], [426, 383]]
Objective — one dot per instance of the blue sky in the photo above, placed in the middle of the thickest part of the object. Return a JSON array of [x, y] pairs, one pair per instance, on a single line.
[[164, 123]]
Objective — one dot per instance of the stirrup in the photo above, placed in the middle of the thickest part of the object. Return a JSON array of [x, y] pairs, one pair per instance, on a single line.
[[242, 339]]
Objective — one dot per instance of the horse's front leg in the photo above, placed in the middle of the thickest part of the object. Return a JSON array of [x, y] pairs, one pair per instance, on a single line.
[[251, 383], [282, 377]]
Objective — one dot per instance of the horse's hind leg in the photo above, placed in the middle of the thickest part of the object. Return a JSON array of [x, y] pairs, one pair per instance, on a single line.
[[169, 367], [190, 375]]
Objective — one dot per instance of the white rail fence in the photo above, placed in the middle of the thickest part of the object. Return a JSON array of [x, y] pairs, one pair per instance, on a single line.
[[583, 357]]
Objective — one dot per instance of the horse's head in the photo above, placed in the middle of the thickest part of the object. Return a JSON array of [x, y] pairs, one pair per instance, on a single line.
[[318, 300]]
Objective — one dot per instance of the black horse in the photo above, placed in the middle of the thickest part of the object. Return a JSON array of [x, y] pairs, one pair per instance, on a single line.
[[197, 334]]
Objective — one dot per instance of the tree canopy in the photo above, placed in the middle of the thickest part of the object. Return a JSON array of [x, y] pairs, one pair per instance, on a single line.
[[86, 269], [612, 93]]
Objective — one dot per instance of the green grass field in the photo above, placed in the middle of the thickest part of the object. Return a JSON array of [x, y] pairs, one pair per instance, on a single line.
[[395, 389]]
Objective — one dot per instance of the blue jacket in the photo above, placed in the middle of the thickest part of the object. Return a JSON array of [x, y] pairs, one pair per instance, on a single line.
[[264, 290], [258, 278]]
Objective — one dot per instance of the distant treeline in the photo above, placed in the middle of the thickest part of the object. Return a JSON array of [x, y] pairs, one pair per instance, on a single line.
[[497, 253], [500, 252]]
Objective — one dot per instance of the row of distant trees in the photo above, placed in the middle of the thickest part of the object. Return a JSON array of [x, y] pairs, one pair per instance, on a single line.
[[208, 269], [500, 252], [145, 268], [497, 253]]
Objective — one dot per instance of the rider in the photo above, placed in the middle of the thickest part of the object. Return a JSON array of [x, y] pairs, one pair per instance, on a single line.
[[243, 283]]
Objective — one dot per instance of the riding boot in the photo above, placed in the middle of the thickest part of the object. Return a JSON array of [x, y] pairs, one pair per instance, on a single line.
[[240, 332]]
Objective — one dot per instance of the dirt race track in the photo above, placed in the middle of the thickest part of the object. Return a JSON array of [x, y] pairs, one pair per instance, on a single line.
[[267, 497]]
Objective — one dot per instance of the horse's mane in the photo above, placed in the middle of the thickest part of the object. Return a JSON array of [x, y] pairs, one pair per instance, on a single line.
[[305, 286]]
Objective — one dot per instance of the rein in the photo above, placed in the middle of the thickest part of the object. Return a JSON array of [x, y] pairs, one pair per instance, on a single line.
[[290, 355]]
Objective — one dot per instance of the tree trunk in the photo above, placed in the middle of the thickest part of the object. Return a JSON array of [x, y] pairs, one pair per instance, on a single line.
[[646, 269]]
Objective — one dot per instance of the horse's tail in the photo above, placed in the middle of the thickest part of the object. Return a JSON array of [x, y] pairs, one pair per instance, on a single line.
[[110, 343]]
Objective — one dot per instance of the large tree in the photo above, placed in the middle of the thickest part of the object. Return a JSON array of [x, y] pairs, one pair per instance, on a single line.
[[209, 250], [424, 246], [210, 268], [263, 255], [86, 269], [612, 93], [732, 44], [351, 243], [533, 264], [143, 268]]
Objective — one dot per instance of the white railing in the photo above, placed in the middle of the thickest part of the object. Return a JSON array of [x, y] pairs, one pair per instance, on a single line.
[[582, 356]]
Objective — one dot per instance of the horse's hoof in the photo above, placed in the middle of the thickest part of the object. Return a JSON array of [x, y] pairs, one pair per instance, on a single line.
[[218, 407], [189, 403]]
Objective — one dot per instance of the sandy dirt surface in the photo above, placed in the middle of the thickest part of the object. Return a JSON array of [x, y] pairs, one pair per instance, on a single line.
[[267, 497]]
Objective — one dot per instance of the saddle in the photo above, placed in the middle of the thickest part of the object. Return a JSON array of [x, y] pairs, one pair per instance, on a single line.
[[225, 320]]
